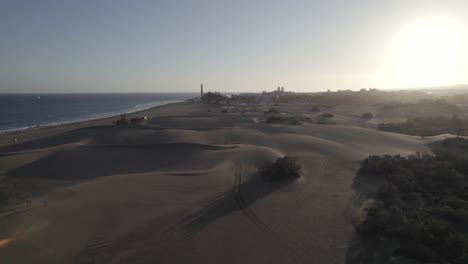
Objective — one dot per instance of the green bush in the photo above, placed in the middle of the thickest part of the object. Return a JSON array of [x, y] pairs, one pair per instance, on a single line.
[[3, 199], [453, 247], [423, 201], [285, 168], [427, 126], [327, 115], [367, 116], [273, 111], [291, 120], [314, 109]]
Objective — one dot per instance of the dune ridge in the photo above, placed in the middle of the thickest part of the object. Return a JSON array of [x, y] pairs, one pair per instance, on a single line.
[[186, 188]]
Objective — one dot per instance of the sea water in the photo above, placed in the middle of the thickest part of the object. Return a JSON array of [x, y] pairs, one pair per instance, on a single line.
[[23, 111]]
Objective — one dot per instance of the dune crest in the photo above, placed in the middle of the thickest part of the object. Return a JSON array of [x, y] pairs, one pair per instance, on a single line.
[[186, 188]]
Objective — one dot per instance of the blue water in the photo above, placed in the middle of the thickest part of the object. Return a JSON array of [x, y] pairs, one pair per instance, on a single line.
[[22, 111]]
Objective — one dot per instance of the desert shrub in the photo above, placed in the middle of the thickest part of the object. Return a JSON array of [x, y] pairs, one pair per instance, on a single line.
[[325, 120], [375, 220], [381, 166], [367, 116], [459, 143], [273, 111], [314, 109], [430, 172], [435, 104], [416, 253], [421, 202], [285, 168], [291, 120], [327, 115], [3, 198], [426, 126], [321, 121], [276, 119], [387, 192], [453, 247], [122, 121], [461, 216], [455, 151], [224, 111], [138, 120]]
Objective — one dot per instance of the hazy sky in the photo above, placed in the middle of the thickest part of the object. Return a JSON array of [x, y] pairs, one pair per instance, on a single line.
[[164, 46]]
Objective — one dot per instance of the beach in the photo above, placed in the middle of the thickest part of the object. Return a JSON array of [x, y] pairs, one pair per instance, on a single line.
[[185, 187]]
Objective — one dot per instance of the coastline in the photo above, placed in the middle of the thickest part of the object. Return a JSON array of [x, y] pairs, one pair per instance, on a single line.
[[7, 137], [77, 121]]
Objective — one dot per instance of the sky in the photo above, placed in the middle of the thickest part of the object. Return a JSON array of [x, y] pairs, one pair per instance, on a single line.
[[230, 46]]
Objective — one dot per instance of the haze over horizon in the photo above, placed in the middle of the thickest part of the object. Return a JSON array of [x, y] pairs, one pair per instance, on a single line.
[[173, 46]]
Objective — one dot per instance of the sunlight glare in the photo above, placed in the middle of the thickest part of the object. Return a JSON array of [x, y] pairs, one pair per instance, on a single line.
[[426, 54]]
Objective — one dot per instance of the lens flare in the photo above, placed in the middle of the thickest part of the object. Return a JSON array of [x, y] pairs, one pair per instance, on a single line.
[[4, 242]]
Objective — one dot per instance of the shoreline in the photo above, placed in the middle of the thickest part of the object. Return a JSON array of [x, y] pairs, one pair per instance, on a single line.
[[15, 137], [77, 122]]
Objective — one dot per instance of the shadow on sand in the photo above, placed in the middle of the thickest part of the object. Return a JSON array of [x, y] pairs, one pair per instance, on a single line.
[[239, 197]]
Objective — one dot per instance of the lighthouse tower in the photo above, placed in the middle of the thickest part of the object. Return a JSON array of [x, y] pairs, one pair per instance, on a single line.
[[201, 91]]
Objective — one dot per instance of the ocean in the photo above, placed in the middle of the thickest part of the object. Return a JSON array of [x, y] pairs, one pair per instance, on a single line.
[[23, 111]]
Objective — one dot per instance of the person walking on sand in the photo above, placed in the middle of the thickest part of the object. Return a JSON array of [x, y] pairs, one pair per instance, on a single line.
[[45, 203]]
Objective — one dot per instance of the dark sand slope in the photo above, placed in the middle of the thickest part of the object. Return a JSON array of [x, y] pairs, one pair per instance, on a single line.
[[185, 189]]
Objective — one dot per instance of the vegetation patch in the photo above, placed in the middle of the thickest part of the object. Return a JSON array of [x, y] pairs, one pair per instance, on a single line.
[[314, 109], [283, 169], [3, 198], [213, 97], [272, 111], [420, 211], [427, 126], [437, 104], [367, 116], [133, 121], [327, 115], [290, 120]]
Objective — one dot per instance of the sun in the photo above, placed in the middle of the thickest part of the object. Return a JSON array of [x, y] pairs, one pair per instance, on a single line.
[[426, 54]]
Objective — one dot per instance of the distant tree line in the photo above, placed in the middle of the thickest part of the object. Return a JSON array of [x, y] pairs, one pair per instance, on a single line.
[[422, 102], [364, 96], [427, 126]]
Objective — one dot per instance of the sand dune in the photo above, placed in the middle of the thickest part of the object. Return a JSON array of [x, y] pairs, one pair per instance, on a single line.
[[91, 161], [201, 121], [185, 188]]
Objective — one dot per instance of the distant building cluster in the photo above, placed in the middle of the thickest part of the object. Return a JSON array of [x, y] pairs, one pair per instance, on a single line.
[[265, 98]]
